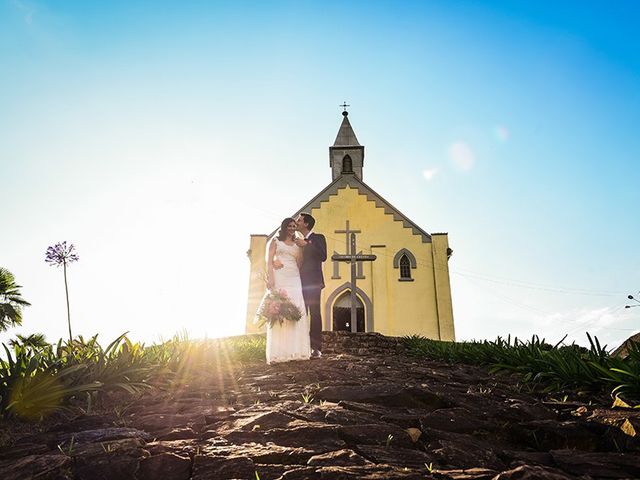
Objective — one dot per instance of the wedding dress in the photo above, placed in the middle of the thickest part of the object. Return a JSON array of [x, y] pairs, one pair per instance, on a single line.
[[289, 340]]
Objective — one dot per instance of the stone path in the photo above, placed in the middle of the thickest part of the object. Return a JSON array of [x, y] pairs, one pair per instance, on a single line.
[[349, 415]]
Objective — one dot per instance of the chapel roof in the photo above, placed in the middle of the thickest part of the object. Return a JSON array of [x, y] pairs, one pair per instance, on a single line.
[[352, 181]]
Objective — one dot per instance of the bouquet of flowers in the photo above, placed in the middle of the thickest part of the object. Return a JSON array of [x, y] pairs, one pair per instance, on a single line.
[[276, 307]]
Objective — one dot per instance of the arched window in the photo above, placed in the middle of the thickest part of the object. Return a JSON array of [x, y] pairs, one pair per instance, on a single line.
[[405, 267], [347, 164], [405, 261]]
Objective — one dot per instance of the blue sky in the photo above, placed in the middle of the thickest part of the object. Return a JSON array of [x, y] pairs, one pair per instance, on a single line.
[[157, 135]]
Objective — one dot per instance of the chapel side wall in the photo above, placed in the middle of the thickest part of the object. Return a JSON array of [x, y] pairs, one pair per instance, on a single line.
[[257, 286], [400, 308], [443, 286], [414, 309]]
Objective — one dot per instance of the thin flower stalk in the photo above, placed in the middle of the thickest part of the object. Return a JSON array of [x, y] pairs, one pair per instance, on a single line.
[[58, 255]]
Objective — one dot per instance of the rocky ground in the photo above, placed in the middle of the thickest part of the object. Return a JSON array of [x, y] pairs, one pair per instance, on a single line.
[[365, 410]]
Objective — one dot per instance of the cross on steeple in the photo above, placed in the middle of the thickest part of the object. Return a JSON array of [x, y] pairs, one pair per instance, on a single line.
[[344, 106]]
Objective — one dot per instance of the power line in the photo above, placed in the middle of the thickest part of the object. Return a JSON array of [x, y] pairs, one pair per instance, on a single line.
[[510, 300], [470, 274], [533, 286], [493, 279]]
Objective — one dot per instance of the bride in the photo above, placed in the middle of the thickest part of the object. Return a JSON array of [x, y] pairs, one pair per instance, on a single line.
[[288, 340]]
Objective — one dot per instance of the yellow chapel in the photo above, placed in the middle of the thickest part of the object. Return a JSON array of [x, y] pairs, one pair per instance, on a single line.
[[404, 291]]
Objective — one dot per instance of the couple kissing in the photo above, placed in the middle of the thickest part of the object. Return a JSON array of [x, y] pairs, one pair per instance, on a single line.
[[294, 265]]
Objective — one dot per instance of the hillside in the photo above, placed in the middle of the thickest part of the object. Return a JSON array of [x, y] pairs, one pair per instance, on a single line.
[[366, 410]]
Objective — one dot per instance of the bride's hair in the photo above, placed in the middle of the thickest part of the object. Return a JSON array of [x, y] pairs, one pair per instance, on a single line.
[[282, 233]]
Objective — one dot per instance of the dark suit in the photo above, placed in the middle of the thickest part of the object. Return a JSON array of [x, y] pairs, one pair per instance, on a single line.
[[313, 254]]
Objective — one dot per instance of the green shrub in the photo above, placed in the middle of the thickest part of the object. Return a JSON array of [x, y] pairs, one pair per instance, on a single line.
[[37, 379], [548, 367]]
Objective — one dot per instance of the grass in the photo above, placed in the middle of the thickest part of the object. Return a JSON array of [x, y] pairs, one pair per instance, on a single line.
[[69, 451], [388, 441], [37, 380], [551, 368]]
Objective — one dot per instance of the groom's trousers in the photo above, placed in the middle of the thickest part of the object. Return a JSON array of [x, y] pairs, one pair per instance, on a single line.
[[312, 302]]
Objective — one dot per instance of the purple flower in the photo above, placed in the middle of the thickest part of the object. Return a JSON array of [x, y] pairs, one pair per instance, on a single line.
[[61, 254]]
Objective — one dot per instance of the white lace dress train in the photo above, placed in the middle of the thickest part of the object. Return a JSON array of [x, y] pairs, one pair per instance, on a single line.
[[289, 340]]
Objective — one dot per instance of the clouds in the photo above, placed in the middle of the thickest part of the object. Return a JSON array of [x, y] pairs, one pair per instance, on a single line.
[[578, 319], [609, 324], [575, 322]]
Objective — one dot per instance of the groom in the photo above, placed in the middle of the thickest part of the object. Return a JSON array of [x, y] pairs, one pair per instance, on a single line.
[[314, 252]]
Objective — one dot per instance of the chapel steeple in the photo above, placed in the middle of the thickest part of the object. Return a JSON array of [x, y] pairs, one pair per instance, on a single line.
[[346, 156]]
